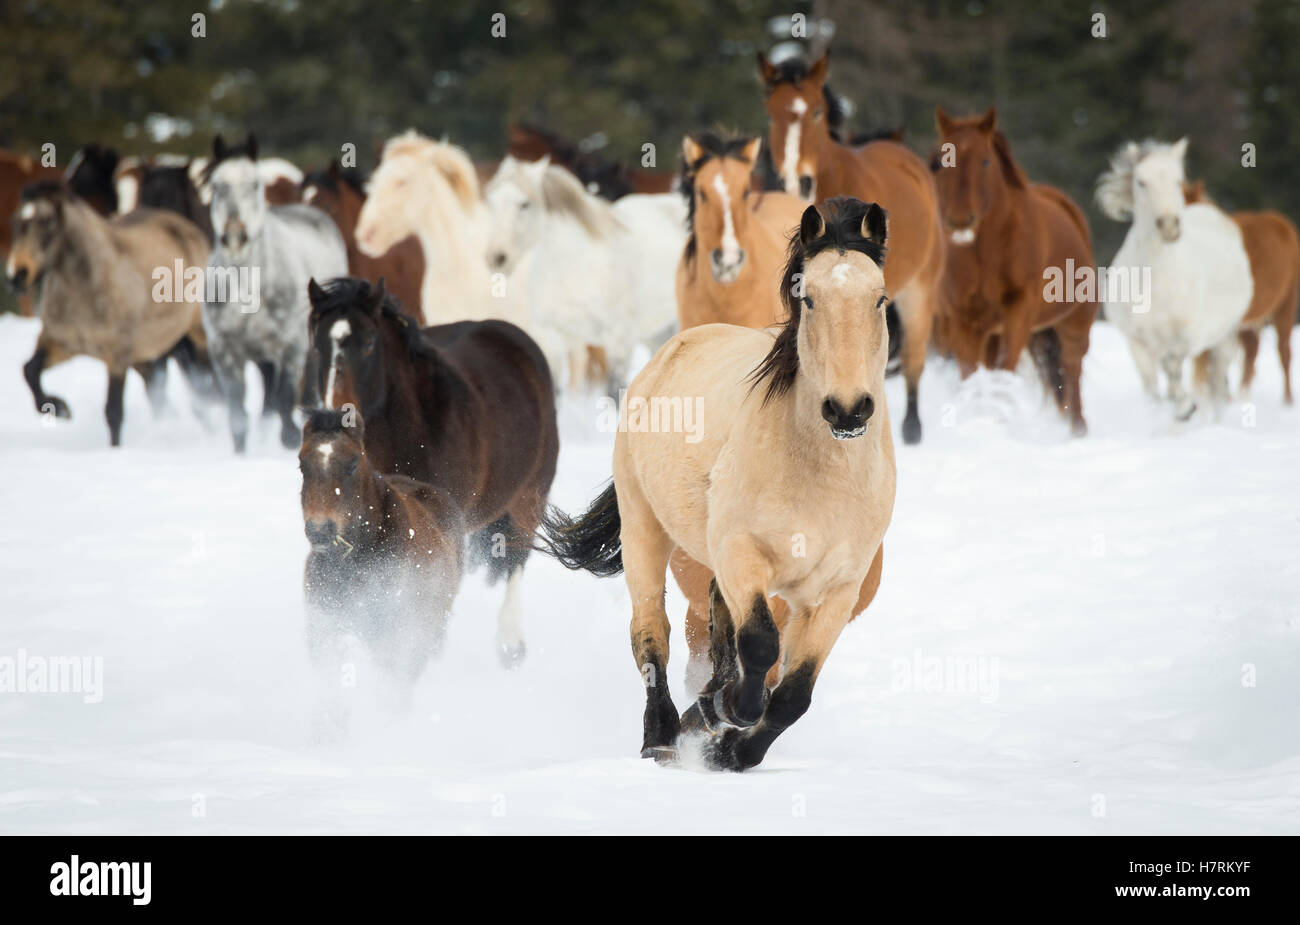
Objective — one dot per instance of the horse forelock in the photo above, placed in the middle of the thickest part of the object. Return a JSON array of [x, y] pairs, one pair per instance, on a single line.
[[1115, 186], [713, 145], [842, 218]]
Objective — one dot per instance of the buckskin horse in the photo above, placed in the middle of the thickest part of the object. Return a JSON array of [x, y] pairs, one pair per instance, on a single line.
[[789, 492]]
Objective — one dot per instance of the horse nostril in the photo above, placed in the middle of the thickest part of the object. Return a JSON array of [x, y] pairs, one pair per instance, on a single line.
[[498, 259], [832, 413], [716, 256], [19, 279], [865, 408]]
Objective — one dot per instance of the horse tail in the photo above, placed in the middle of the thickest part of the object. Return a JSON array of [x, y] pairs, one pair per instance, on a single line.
[[1045, 346], [590, 542]]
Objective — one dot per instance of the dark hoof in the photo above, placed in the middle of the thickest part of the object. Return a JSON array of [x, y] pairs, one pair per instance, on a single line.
[[724, 711], [1078, 428], [1186, 415], [56, 406], [720, 751], [694, 720], [291, 438], [911, 430], [661, 726], [662, 754], [511, 656], [241, 442]]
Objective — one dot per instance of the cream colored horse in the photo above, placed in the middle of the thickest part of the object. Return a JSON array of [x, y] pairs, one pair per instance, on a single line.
[[430, 189], [786, 488]]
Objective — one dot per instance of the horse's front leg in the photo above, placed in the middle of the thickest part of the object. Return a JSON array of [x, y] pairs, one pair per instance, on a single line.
[[32, 370], [743, 575], [1172, 363], [287, 380], [230, 374], [113, 405], [812, 635]]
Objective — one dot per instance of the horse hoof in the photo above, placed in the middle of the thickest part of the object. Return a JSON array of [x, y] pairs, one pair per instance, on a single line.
[[57, 407], [720, 752], [511, 655], [662, 754], [723, 712], [1078, 428], [911, 430], [1186, 415], [291, 438]]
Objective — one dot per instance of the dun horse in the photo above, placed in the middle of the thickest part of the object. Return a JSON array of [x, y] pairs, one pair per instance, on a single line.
[[815, 166], [99, 294], [1006, 232], [386, 551], [262, 321], [795, 443], [465, 407], [1273, 248], [1200, 281], [341, 193]]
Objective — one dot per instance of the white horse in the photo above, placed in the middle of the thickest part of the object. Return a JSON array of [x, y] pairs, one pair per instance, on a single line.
[[430, 189], [590, 271], [1200, 283]]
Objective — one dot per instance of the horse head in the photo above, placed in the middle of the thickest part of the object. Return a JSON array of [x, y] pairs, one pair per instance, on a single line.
[[836, 339], [974, 175], [346, 329], [337, 482], [716, 180], [517, 206], [239, 204], [37, 230], [799, 107], [1145, 184]]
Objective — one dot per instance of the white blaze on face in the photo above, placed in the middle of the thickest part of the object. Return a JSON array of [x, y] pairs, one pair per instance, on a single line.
[[338, 333], [840, 274], [326, 450], [790, 158], [730, 246], [128, 193]]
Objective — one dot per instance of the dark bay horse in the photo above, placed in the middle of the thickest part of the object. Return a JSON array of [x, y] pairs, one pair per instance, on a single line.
[[1006, 233], [387, 552], [608, 179], [341, 193], [466, 407], [815, 165]]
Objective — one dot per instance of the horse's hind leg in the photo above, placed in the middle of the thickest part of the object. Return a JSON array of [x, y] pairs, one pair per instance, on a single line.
[[695, 581], [646, 549], [1172, 362], [1073, 334], [113, 406], [1250, 350], [154, 374], [230, 373], [1283, 321], [504, 546], [270, 392], [917, 314], [286, 381]]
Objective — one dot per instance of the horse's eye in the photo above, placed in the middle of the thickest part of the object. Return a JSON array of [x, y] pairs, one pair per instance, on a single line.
[[807, 301], [703, 197], [523, 206], [883, 300], [986, 162]]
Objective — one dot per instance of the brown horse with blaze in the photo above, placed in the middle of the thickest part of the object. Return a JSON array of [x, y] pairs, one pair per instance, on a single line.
[[1007, 233], [814, 165]]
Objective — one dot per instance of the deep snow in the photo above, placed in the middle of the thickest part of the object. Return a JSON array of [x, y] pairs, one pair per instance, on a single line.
[[1113, 592]]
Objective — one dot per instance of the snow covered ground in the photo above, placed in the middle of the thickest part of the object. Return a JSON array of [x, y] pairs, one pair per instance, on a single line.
[[1091, 636]]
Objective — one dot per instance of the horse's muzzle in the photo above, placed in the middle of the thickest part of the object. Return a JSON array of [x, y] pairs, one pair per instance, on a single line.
[[724, 270], [847, 423], [322, 534], [1170, 228], [18, 282]]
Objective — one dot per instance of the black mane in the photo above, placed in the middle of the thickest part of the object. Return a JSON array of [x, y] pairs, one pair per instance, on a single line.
[[328, 421], [352, 176], [44, 189], [714, 145], [347, 292], [843, 218]]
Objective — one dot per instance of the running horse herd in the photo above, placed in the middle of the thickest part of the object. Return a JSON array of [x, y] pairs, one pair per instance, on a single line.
[[423, 320]]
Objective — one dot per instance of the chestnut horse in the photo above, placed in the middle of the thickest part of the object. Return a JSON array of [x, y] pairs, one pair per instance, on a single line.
[[1007, 233], [386, 557], [1273, 248], [815, 166], [341, 192], [789, 492], [467, 407]]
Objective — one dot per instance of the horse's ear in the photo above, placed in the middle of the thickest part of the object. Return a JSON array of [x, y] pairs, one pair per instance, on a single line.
[[218, 148], [1180, 148], [942, 122], [766, 70], [537, 169], [989, 122], [692, 151], [314, 292], [875, 224], [817, 73], [750, 151], [252, 146], [812, 226], [355, 425]]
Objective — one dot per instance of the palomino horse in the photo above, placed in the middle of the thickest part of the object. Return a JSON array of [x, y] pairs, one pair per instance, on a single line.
[[341, 192], [788, 492], [265, 254], [1273, 247], [386, 557], [16, 171], [466, 407], [545, 226], [430, 189], [1006, 232], [815, 166], [99, 292], [1200, 283]]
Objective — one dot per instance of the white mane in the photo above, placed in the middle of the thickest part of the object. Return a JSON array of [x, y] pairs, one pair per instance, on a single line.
[[1115, 186]]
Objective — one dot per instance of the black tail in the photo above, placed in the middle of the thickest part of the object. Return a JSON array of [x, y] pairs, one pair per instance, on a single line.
[[590, 542], [1045, 346], [895, 326]]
